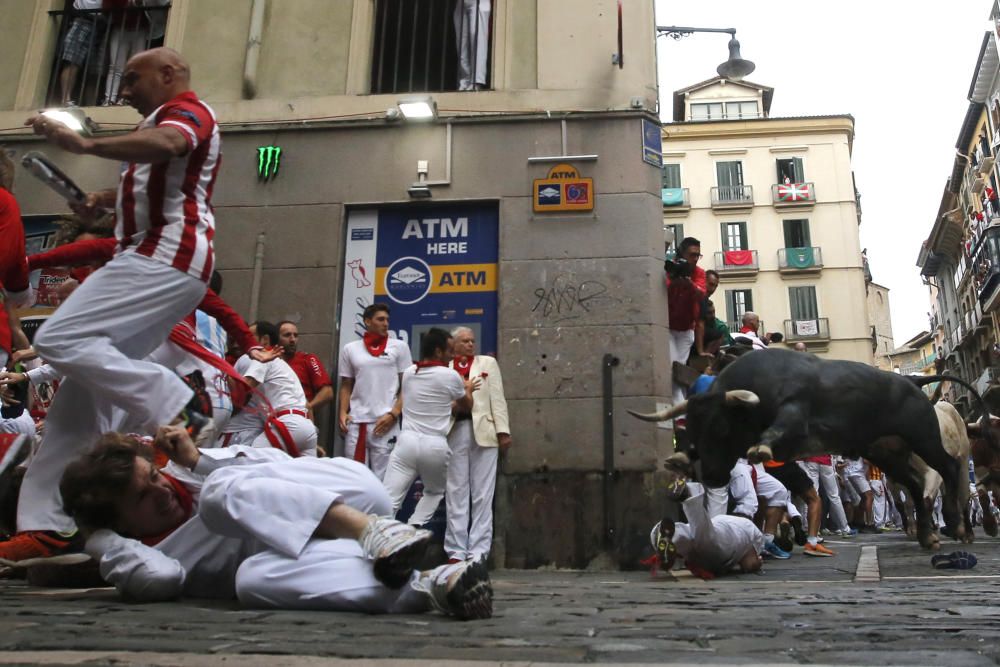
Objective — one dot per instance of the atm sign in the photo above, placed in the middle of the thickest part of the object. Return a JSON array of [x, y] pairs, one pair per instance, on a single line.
[[563, 190]]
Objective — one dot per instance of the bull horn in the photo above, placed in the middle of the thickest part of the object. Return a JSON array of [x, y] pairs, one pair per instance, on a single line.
[[742, 396], [667, 413], [974, 428]]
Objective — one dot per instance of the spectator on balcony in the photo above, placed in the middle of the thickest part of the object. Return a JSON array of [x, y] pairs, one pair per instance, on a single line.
[[78, 46], [685, 291], [472, 32], [132, 30]]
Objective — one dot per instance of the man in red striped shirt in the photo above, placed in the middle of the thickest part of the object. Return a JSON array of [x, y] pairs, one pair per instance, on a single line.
[[98, 337]]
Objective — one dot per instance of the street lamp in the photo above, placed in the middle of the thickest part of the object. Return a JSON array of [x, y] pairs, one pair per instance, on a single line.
[[734, 68]]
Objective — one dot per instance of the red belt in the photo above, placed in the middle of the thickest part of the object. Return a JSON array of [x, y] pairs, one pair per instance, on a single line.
[[292, 411]]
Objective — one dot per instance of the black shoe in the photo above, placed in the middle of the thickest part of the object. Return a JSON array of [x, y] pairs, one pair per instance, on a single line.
[[784, 537], [800, 534]]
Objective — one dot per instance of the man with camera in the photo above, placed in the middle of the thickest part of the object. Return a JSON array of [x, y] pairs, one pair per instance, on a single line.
[[685, 291]]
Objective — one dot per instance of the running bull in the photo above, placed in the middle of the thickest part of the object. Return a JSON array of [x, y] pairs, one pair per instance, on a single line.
[[788, 405]]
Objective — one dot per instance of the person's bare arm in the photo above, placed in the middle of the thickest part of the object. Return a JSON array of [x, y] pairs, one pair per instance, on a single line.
[[149, 145], [344, 403]]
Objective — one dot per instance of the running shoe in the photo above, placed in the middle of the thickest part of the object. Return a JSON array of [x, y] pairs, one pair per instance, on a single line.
[[35, 547], [800, 533], [848, 533], [462, 590], [772, 550], [784, 537], [956, 560], [817, 550], [396, 548]]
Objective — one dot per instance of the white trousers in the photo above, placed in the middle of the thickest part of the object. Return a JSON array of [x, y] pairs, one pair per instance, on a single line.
[[426, 456], [279, 505], [742, 491], [472, 27], [302, 430], [716, 500], [123, 44], [97, 339], [826, 476], [879, 513], [680, 350], [715, 543], [378, 448], [472, 478], [770, 489], [216, 382]]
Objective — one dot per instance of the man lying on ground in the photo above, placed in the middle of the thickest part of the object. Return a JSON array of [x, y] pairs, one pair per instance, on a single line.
[[257, 525]]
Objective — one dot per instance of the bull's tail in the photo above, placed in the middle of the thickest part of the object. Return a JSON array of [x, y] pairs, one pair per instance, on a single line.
[[921, 380]]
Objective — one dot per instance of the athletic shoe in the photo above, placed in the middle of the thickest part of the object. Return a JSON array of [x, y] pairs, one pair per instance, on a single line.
[[800, 533], [462, 590], [774, 551], [817, 550], [676, 485], [35, 547], [849, 533], [396, 548], [885, 528]]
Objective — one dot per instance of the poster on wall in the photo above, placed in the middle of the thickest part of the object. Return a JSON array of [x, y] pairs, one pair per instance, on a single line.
[[435, 266]]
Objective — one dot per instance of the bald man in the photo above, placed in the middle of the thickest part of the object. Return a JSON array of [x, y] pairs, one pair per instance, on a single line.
[[98, 337]]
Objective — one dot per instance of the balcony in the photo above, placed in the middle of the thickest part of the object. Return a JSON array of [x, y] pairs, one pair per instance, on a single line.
[[730, 263], [985, 269], [732, 197], [675, 200], [988, 386], [793, 195], [800, 260], [807, 330], [92, 47]]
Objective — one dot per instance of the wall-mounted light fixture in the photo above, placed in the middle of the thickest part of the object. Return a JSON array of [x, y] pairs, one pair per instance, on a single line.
[[420, 189], [418, 108]]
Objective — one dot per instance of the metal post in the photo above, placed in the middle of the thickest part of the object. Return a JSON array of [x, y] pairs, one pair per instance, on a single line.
[[607, 364]]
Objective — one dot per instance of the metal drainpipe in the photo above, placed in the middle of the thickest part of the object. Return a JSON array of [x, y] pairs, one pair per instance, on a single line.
[[608, 363], [258, 274], [253, 48]]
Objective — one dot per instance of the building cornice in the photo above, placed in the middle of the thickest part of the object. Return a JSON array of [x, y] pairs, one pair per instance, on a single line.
[[761, 127]]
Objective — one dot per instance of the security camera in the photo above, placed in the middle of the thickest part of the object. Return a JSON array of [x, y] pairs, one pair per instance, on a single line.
[[419, 191]]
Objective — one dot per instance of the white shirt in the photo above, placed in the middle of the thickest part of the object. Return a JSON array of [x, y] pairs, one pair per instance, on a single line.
[[427, 396], [279, 384], [376, 379]]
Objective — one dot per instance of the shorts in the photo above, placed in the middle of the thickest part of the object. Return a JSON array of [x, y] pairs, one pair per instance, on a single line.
[[793, 477], [860, 484], [80, 39]]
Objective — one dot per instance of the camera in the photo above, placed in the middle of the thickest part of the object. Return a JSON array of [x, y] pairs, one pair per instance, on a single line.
[[678, 267]]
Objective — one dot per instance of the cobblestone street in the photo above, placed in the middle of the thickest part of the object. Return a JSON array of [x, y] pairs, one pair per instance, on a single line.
[[877, 602]]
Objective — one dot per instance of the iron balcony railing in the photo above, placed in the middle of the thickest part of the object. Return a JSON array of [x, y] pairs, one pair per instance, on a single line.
[[736, 261], [431, 46], [793, 194], [800, 258], [732, 195], [814, 329], [92, 47]]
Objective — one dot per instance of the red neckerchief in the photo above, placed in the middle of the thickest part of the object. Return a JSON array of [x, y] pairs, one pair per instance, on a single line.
[[186, 500], [463, 365], [425, 364], [375, 344], [747, 330]]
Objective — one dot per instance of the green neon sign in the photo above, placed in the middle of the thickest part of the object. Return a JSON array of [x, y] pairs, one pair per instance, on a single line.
[[268, 162]]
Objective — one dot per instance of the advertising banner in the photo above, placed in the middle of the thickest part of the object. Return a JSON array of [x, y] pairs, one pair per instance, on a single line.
[[435, 266]]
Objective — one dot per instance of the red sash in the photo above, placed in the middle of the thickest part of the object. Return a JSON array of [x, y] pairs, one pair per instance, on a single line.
[[426, 364], [186, 501], [183, 337], [375, 344], [280, 437], [361, 448]]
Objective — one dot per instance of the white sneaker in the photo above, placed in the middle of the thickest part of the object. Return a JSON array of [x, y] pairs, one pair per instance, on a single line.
[[462, 590], [396, 548]]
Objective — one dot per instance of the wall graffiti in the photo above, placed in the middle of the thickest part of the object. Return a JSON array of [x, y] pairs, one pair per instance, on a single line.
[[566, 298]]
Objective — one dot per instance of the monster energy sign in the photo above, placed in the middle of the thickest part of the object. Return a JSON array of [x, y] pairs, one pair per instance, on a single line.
[[268, 162]]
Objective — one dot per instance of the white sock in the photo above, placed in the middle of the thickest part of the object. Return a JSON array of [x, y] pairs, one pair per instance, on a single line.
[[812, 540]]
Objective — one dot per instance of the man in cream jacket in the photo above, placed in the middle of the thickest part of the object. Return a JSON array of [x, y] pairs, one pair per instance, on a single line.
[[475, 440]]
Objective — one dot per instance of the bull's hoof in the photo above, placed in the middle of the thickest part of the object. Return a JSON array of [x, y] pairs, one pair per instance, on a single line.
[[990, 526], [911, 533], [930, 542], [760, 454]]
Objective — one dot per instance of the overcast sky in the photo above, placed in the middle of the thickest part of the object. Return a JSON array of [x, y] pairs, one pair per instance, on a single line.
[[901, 69]]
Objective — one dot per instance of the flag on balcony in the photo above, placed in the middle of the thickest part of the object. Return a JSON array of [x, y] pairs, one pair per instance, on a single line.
[[790, 192], [672, 196], [737, 257], [799, 258]]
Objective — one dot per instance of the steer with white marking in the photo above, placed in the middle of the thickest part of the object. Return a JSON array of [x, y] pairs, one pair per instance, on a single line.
[[788, 405]]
